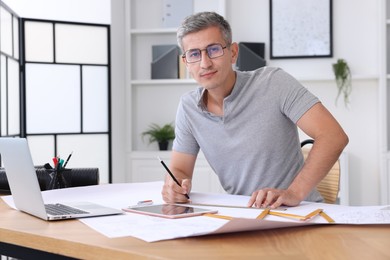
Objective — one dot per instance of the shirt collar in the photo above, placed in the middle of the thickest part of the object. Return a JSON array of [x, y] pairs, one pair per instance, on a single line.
[[202, 92], [201, 104]]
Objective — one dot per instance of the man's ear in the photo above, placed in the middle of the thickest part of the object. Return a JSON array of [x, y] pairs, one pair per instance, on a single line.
[[234, 52], [183, 60]]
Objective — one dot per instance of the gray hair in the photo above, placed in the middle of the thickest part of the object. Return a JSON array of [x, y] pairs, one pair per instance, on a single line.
[[204, 20]]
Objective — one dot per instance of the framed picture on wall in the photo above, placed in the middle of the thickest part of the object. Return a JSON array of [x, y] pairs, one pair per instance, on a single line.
[[300, 29]]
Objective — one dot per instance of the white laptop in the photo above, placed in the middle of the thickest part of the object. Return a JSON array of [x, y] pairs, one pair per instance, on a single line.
[[26, 192]]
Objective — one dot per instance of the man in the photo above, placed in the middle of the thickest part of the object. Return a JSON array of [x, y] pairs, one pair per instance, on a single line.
[[246, 124]]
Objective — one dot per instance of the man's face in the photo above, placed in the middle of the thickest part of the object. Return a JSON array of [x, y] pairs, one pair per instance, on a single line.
[[210, 73]]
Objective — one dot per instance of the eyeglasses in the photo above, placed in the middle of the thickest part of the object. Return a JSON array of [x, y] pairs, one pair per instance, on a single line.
[[213, 51]]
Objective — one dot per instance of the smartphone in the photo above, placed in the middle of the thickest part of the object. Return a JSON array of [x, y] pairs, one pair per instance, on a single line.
[[170, 210]]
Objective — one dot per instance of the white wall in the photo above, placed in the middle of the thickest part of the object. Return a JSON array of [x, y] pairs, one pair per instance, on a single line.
[[356, 39], [355, 34], [86, 11]]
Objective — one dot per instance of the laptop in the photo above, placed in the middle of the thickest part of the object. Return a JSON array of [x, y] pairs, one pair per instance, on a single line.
[[25, 190]]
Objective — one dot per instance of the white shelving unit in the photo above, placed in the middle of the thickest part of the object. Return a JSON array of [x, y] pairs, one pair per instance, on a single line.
[[156, 101]]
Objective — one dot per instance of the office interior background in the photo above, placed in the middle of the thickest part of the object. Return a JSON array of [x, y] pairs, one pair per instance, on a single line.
[[359, 37]]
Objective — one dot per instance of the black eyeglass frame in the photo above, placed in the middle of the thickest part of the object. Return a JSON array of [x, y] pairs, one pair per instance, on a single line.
[[205, 49]]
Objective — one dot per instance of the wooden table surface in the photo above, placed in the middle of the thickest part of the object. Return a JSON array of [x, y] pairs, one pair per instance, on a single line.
[[74, 239]]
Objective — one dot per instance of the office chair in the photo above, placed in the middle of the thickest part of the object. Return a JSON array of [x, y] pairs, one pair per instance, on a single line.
[[329, 187]]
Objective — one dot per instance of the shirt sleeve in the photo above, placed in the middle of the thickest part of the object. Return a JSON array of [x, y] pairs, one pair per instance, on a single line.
[[295, 99], [184, 141]]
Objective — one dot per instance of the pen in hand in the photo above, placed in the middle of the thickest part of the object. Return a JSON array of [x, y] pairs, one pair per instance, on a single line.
[[171, 174]]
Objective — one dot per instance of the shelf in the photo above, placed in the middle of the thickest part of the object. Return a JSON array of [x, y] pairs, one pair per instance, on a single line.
[[170, 82], [180, 82], [153, 154], [150, 154], [332, 78], [153, 31]]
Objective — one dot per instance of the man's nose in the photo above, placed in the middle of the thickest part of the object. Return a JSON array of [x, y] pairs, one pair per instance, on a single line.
[[205, 62]]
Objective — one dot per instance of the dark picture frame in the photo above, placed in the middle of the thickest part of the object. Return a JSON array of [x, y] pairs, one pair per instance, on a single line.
[[301, 29]]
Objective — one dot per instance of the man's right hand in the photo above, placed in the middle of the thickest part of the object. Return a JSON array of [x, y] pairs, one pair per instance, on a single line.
[[173, 193]]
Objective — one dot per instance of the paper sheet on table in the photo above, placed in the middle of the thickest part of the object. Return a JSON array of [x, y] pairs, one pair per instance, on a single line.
[[152, 229], [116, 195]]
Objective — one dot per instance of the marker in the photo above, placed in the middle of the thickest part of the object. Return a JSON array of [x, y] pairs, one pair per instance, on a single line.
[[61, 162], [55, 161], [47, 166], [58, 165], [173, 176]]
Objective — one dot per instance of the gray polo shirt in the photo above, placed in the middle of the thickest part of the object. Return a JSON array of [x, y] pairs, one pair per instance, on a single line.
[[255, 144]]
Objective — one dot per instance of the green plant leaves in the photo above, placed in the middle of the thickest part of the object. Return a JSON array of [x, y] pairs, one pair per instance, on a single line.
[[159, 133], [343, 79]]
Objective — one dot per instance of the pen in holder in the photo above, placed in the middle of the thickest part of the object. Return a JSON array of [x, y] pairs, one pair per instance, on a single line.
[[57, 179]]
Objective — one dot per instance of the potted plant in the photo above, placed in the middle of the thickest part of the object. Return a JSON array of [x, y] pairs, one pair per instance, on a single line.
[[160, 134], [343, 79]]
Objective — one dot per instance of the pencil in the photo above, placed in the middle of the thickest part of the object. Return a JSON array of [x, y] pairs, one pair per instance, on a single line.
[[171, 174], [67, 160]]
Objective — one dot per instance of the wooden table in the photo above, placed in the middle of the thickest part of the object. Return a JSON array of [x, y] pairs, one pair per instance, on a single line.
[[24, 236]]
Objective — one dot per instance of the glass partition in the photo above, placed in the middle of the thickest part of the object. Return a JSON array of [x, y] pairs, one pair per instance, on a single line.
[[55, 89]]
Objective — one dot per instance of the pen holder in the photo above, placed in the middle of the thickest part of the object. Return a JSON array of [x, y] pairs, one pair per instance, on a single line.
[[68, 177], [74, 177], [57, 179]]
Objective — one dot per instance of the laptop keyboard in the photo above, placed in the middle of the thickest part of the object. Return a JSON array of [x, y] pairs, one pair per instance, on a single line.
[[60, 209]]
